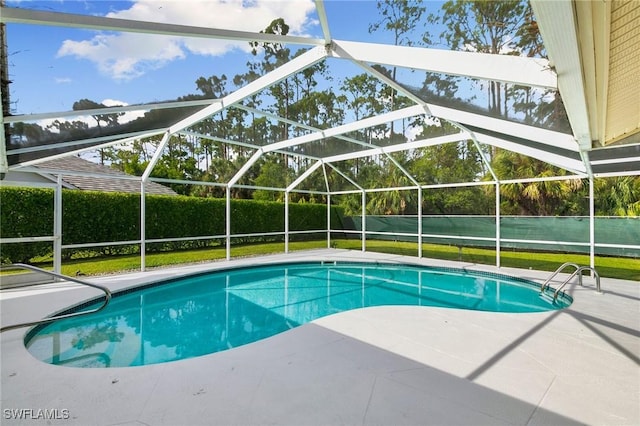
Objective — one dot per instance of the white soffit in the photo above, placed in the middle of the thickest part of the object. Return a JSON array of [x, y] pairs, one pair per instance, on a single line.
[[595, 49], [623, 93]]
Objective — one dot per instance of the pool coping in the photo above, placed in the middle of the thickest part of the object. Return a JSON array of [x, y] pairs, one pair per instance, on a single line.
[[578, 365]]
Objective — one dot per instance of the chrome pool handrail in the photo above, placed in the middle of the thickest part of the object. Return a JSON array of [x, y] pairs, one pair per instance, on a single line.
[[560, 269], [106, 291], [579, 272]]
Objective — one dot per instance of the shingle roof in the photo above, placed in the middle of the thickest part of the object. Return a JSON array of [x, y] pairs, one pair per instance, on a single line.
[[91, 183]]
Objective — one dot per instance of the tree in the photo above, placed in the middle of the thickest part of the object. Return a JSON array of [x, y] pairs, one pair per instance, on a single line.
[[394, 201], [175, 163], [451, 163], [619, 196], [275, 55], [543, 198], [110, 120], [273, 175], [400, 17], [487, 27]]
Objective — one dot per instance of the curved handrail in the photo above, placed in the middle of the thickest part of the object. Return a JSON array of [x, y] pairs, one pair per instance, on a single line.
[[561, 268], [106, 291], [579, 271]]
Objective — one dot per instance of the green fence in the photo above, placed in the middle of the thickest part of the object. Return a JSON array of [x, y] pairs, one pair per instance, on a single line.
[[562, 234]]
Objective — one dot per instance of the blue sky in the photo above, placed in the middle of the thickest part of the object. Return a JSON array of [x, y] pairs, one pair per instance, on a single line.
[[52, 67]]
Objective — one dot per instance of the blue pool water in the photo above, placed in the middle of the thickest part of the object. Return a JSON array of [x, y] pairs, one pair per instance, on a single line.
[[207, 313]]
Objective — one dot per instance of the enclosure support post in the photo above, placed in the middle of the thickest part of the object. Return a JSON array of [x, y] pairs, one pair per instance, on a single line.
[[419, 222], [4, 98], [156, 156], [228, 221], [364, 220], [497, 224], [143, 227], [326, 185], [592, 239], [328, 220], [57, 228], [286, 222]]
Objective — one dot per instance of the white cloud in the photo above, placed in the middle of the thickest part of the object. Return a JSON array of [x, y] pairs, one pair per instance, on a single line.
[[124, 56], [113, 102], [62, 80]]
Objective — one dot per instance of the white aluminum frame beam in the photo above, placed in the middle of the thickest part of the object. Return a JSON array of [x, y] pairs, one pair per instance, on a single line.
[[245, 167], [299, 63], [55, 172], [401, 168], [519, 70], [107, 110], [218, 139], [69, 20], [156, 156], [324, 22], [4, 163], [347, 178], [391, 188], [295, 123], [389, 82], [543, 179], [79, 151], [126, 138], [349, 127], [292, 186], [303, 176], [326, 179], [616, 160], [558, 29], [616, 174], [455, 137], [243, 144], [482, 155], [570, 164], [536, 134], [57, 226]]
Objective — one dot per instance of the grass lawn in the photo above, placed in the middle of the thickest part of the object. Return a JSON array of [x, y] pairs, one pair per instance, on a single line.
[[612, 267]]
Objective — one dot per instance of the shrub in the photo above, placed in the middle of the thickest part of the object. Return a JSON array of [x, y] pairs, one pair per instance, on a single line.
[[100, 217], [25, 212]]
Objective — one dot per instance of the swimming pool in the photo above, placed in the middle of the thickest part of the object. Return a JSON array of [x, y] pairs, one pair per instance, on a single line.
[[212, 312]]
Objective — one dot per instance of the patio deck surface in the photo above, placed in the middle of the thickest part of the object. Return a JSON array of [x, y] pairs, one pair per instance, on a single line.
[[385, 365]]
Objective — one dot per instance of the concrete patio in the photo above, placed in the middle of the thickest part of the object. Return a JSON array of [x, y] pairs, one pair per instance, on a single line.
[[385, 365]]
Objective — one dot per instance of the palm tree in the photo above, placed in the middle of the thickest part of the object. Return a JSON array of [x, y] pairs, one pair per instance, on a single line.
[[544, 198], [618, 196]]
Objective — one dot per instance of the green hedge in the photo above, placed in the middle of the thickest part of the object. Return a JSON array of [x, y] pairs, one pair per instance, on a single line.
[[97, 217], [25, 212]]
